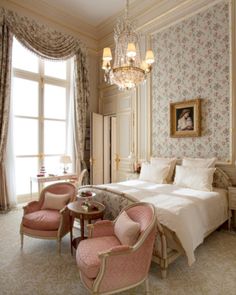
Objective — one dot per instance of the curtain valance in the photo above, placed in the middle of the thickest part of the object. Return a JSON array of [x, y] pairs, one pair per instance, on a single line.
[[46, 42]]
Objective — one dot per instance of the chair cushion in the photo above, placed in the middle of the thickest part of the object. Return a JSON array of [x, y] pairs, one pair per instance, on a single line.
[[126, 230], [87, 253], [42, 220], [55, 201]]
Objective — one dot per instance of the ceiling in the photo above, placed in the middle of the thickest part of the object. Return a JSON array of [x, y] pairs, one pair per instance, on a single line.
[[92, 12]]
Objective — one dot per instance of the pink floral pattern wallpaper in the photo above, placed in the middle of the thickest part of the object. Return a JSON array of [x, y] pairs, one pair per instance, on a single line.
[[193, 60]]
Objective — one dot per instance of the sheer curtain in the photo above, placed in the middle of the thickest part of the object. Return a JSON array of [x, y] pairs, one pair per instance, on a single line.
[[49, 44]]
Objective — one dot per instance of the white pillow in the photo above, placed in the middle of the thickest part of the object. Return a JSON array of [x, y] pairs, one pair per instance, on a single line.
[[153, 173], [166, 162], [126, 230], [55, 201], [194, 177], [199, 162]]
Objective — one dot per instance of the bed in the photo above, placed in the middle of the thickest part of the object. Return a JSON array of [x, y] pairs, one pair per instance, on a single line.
[[185, 216]]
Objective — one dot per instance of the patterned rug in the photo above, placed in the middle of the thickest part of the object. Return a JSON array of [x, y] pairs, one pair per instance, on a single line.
[[40, 270]]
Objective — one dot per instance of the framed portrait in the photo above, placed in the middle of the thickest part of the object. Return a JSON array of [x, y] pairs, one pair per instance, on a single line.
[[185, 118]]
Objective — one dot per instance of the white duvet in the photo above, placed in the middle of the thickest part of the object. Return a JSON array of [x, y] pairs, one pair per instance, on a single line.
[[191, 214]]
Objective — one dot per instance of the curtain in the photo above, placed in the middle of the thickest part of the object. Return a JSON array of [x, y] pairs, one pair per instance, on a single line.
[[5, 86], [50, 44], [79, 106]]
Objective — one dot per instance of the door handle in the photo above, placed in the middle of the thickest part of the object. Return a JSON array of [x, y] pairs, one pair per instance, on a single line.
[[117, 161]]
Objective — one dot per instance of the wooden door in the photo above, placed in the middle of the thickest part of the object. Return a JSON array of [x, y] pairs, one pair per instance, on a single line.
[[107, 148], [123, 144], [96, 152], [114, 156]]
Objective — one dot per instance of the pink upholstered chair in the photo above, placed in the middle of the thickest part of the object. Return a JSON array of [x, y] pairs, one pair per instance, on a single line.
[[117, 254], [49, 217]]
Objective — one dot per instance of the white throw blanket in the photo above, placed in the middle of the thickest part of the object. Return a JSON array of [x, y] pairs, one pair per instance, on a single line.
[[191, 214]]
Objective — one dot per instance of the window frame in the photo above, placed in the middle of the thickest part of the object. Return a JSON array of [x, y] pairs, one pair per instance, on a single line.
[[43, 79]]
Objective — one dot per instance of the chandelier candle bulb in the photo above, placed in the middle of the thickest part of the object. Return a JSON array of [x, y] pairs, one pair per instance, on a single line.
[[106, 65], [107, 54], [131, 50]]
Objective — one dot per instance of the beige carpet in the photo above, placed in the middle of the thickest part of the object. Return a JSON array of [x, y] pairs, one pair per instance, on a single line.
[[39, 270]]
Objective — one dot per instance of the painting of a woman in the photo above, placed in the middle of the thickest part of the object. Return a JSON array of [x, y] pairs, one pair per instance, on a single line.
[[185, 119]]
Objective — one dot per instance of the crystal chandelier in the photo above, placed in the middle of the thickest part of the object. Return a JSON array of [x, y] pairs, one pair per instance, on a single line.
[[128, 69]]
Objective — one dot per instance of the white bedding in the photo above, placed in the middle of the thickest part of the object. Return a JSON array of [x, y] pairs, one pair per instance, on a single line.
[[191, 214]]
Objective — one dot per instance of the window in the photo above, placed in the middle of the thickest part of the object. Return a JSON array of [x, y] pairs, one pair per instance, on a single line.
[[40, 103]]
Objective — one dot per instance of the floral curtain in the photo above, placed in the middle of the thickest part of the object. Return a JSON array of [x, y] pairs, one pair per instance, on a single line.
[[5, 82], [50, 44]]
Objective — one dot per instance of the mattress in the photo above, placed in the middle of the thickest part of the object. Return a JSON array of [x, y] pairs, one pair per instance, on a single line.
[[190, 213]]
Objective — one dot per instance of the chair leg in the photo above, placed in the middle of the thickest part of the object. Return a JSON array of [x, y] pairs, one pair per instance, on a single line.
[[163, 273], [59, 246], [21, 240], [147, 289]]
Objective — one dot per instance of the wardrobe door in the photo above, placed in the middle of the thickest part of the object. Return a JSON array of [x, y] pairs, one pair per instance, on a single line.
[[114, 164], [123, 144], [96, 152], [107, 148]]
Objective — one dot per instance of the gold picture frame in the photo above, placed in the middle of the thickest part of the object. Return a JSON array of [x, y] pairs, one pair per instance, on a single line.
[[185, 118]]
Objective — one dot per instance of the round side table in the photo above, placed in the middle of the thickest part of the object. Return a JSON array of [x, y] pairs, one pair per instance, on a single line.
[[77, 210]]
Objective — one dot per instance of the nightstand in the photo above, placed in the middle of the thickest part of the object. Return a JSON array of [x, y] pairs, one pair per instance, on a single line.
[[232, 203]]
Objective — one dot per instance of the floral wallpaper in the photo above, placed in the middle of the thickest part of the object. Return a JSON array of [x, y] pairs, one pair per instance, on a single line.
[[193, 60]]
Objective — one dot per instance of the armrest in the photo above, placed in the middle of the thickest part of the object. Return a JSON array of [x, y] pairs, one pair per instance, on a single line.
[[101, 228], [132, 264], [121, 249], [32, 207]]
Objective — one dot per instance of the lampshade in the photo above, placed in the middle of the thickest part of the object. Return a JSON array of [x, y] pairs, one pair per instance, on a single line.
[[65, 159], [107, 54], [149, 57]]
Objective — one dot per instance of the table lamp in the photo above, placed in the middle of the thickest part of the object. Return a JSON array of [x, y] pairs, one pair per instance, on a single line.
[[65, 159]]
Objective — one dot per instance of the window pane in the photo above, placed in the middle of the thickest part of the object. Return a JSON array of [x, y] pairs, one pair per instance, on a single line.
[[25, 97], [26, 136], [23, 59], [52, 165], [54, 102], [56, 69], [54, 137], [25, 167]]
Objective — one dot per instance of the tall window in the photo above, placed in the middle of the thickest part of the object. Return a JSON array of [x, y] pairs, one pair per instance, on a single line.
[[40, 103]]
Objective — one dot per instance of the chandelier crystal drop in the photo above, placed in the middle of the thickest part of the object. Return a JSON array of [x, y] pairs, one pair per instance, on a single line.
[[128, 69]]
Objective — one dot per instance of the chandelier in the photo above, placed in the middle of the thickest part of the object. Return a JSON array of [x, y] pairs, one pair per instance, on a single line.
[[128, 69]]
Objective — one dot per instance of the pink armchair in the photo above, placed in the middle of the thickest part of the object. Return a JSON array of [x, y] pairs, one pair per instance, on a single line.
[[117, 254], [49, 217]]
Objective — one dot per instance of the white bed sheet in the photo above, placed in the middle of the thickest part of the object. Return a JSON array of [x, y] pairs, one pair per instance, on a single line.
[[189, 213]]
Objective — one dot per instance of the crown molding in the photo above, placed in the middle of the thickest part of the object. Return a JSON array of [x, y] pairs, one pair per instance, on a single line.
[[151, 24], [56, 18], [151, 18]]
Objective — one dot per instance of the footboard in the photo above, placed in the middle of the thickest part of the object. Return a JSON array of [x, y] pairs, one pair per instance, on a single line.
[[167, 247]]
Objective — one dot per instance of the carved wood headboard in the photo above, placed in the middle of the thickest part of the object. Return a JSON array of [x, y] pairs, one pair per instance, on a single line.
[[221, 179]]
